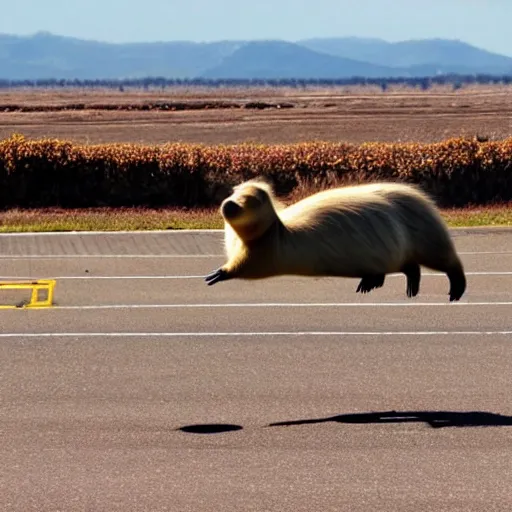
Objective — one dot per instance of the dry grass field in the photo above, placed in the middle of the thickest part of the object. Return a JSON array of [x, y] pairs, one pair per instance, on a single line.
[[351, 114], [129, 219]]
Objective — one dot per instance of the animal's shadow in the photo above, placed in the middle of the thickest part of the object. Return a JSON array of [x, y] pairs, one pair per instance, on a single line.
[[435, 419]]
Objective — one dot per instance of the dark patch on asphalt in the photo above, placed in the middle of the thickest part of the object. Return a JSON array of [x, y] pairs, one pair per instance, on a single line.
[[213, 428], [435, 419]]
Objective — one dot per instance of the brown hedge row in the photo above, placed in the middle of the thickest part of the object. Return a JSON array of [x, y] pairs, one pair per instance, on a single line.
[[47, 172], [146, 106]]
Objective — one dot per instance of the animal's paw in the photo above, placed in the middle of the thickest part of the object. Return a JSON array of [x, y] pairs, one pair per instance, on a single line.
[[457, 286], [216, 276], [411, 291], [363, 287], [412, 272], [367, 284]]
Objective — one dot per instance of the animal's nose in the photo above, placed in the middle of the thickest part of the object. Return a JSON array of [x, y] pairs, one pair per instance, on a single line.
[[230, 209]]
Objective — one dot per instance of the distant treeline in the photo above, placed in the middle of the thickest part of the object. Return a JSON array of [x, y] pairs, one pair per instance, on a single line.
[[424, 83]]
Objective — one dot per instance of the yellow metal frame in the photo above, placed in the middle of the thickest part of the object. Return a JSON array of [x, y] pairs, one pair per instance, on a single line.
[[36, 286]]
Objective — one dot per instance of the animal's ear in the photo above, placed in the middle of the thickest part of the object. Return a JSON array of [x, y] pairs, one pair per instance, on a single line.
[[258, 181], [264, 181]]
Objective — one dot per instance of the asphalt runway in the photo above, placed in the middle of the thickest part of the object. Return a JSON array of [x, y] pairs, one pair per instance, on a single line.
[[143, 389]]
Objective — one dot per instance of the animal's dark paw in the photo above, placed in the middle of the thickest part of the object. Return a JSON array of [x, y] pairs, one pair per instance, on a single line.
[[454, 296], [457, 287], [363, 287], [216, 276], [412, 272], [412, 289], [367, 284]]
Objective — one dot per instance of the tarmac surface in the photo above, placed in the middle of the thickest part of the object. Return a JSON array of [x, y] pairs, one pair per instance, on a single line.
[[144, 389]]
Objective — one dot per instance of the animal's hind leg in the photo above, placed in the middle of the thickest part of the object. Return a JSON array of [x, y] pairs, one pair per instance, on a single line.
[[412, 272], [457, 282], [454, 270], [368, 283]]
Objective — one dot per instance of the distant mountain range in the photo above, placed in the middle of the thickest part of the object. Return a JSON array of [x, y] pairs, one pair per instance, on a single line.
[[44, 55]]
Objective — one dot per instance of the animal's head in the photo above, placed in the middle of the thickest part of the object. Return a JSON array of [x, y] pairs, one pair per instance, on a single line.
[[250, 210]]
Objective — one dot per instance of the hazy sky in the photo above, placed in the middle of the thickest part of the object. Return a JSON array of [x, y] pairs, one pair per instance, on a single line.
[[485, 23]]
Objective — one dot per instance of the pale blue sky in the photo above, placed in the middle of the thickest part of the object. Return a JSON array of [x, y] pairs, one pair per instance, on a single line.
[[484, 23]]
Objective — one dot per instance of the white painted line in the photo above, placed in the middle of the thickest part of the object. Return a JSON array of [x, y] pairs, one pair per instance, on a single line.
[[157, 256], [87, 277], [157, 277], [483, 252], [111, 233], [288, 305], [247, 334], [462, 229], [279, 305], [106, 256]]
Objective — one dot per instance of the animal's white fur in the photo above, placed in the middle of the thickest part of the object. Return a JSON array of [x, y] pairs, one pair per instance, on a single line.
[[355, 231]]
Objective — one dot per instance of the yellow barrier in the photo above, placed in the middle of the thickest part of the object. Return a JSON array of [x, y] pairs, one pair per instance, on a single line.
[[47, 285]]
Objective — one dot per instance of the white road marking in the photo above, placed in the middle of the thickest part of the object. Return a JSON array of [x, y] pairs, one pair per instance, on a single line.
[[477, 229], [113, 233], [202, 276], [277, 305], [86, 277], [111, 256], [162, 256], [483, 252], [247, 334]]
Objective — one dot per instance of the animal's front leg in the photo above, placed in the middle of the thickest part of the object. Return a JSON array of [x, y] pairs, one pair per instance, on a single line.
[[218, 275], [368, 283]]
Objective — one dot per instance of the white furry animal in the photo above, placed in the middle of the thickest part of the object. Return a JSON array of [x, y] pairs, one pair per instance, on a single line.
[[363, 231]]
